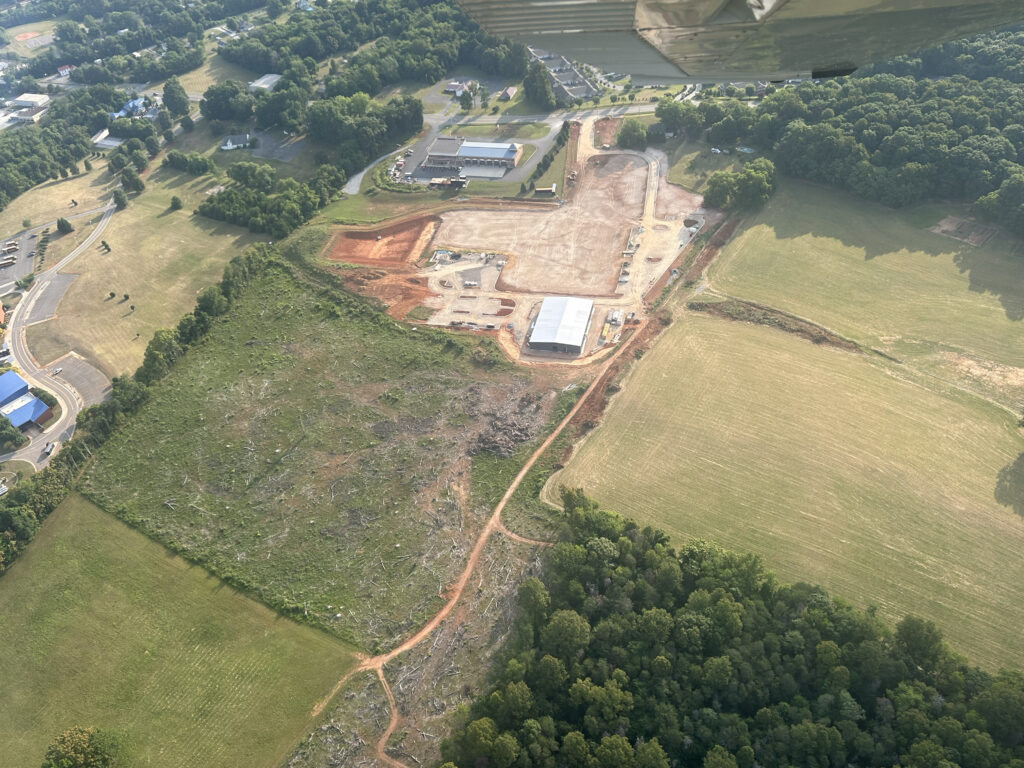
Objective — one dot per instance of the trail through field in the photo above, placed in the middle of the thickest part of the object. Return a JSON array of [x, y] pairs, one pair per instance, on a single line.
[[376, 663]]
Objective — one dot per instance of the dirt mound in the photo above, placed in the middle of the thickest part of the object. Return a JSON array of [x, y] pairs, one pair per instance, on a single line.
[[606, 129], [749, 312]]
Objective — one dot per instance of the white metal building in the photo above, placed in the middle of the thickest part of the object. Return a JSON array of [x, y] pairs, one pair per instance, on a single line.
[[265, 83], [562, 325], [31, 100]]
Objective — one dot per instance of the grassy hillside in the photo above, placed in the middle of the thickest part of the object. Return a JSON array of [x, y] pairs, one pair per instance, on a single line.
[[317, 453], [836, 469], [160, 258], [103, 627], [882, 278]]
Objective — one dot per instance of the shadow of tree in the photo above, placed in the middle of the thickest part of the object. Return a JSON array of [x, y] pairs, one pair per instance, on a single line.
[[988, 269], [1010, 486]]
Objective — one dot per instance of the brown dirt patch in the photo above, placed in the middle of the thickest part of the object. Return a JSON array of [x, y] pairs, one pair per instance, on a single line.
[[710, 251], [25, 36], [387, 246], [606, 129], [674, 202], [965, 230], [749, 312], [576, 248], [387, 257]]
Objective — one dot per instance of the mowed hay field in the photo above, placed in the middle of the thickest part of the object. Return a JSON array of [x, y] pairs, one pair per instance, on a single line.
[[46, 202], [881, 278], [103, 627], [835, 469], [160, 258]]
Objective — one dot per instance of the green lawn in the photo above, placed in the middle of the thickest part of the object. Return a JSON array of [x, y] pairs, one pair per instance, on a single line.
[[24, 47], [103, 627], [160, 258], [507, 131], [314, 452], [836, 469], [881, 278], [692, 162]]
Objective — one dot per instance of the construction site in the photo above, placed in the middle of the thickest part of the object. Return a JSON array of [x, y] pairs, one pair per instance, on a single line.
[[612, 238]]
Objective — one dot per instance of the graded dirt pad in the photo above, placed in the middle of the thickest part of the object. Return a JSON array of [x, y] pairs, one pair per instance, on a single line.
[[387, 260], [25, 36], [964, 230], [396, 244], [606, 129], [574, 249]]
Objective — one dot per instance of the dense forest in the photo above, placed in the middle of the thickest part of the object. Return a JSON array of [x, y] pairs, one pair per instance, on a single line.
[[416, 40], [998, 54], [893, 139], [112, 31], [263, 203], [631, 655], [36, 153]]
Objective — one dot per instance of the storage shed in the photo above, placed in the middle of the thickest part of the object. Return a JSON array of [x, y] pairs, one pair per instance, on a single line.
[[561, 325]]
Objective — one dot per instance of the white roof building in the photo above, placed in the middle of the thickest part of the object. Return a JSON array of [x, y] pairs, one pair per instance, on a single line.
[[31, 100], [265, 83], [562, 324]]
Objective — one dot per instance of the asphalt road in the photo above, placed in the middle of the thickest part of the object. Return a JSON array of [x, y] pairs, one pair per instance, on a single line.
[[69, 399]]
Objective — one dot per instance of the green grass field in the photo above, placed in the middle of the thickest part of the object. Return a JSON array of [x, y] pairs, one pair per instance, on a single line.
[[24, 47], [836, 469], [316, 455], [691, 162], [160, 258], [215, 70], [879, 277], [47, 201], [506, 131], [103, 627]]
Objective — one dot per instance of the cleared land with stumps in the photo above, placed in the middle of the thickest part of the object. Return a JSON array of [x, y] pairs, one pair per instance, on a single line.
[[881, 278], [113, 631], [836, 469], [317, 453]]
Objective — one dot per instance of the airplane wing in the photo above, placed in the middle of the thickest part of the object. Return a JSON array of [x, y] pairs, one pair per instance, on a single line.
[[734, 40]]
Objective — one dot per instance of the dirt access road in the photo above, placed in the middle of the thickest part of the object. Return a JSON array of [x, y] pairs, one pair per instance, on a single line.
[[494, 523]]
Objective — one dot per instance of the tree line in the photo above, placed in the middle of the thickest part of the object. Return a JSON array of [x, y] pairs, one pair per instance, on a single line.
[[27, 504], [893, 139], [629, 654]]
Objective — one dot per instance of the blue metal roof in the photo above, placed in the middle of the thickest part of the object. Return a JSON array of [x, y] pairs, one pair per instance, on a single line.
[[11, 386], [31, 411]]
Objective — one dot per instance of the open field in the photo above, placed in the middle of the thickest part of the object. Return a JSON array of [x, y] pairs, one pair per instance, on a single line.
[[52, 199], [319, 456], [836, 469], [103, 627], [29, 40], [61, 245], [881, 278], [160, 258], [507, 131], [215, 70], [576, 248]]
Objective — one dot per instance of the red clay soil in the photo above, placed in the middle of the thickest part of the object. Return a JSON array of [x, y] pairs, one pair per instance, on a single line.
[[606, 129], [710, 251], [387, 257]]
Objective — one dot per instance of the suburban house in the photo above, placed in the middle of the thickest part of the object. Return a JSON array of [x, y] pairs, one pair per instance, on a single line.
[[508, 94], [240, 141]]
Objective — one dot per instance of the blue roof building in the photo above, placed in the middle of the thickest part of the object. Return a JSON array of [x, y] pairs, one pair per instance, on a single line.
[[19, 405], [132, 108], [11, 386], [455, 152]]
